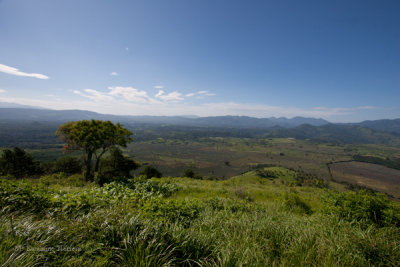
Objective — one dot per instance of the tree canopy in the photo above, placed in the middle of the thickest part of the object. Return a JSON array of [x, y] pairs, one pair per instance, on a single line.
[[18, 163], [94, 137]]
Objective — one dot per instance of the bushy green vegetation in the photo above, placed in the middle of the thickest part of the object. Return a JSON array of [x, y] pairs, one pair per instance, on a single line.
[[364, 207], [191, 174], [243, 221], [115, 167], [150, 172], [17, 163], [68, 165]]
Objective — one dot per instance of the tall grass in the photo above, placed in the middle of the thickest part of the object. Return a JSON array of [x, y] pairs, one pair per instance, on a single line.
[[143, 224]]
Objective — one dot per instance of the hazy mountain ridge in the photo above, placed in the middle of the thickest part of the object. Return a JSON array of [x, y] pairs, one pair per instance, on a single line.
[[18, 112], [28, 114], [15, 105], [385, 125]]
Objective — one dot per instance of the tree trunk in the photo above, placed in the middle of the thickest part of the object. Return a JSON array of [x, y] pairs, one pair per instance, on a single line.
[[96, 166], [88, 175]]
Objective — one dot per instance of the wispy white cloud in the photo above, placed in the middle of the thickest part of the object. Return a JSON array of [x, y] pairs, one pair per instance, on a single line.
[[206, 93], [2, 91], [126, 48], [15, 71], [114, 73], [160, 93], [117, 94], [200, 94], [130, 94], [94, 95], [159, 87], [173, 96]]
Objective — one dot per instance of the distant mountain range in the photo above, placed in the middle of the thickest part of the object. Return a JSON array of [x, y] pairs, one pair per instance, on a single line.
[[16, 112], [15, 105], [297, 127], [30, 114], [34, 127]]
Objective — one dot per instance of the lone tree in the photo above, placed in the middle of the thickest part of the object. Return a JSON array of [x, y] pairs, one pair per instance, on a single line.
[[94, 137]]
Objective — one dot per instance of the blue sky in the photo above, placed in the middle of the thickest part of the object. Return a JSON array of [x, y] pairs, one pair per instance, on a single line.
[[339, 60]]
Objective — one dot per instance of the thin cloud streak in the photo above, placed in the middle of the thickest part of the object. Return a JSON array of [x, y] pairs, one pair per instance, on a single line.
[[200, 94], [15, 71], [173, 96], [94, 95], [130, 94]]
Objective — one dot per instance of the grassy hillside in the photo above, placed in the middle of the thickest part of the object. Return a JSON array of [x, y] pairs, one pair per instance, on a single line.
[[272, 216]]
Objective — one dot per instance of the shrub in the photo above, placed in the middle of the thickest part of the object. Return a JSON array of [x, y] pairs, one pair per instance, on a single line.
[[47, 167], [150, 172], [191, 174], [115, 167], [68, 165], [266, 174], [364, 207], [188, 173], [101, 179], [18, 163]]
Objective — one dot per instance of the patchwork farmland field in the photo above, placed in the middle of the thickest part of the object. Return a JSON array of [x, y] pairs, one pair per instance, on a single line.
[[375, 176], [227, 157]]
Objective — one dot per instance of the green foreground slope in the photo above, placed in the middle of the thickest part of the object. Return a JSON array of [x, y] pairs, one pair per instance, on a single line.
[[265, 218]]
